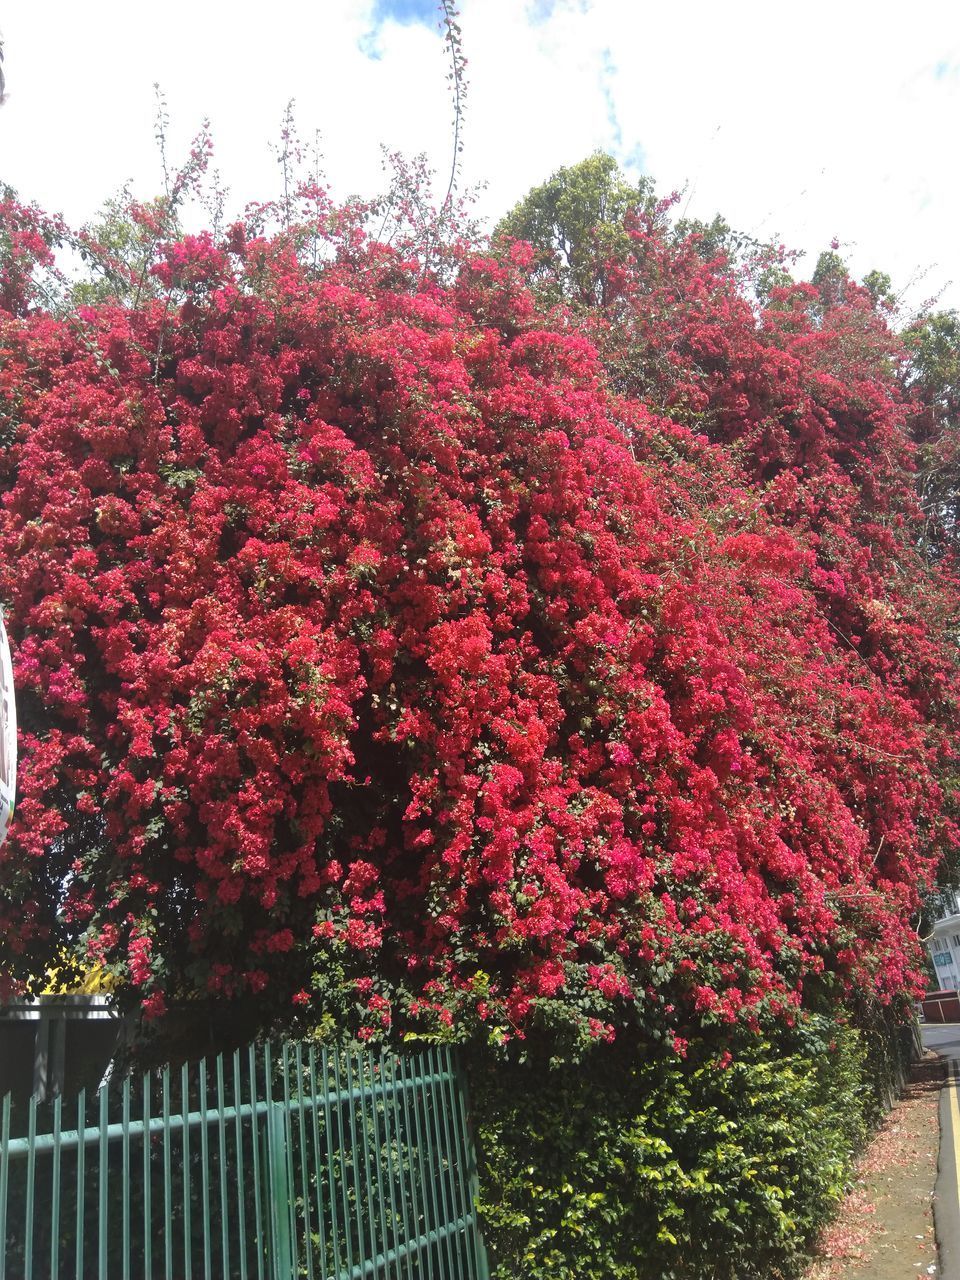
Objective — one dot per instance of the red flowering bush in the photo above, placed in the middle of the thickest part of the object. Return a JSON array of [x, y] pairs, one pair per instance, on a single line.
[[409, 650]]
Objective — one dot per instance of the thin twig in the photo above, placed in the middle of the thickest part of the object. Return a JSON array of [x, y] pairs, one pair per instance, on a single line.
[[454, 44]]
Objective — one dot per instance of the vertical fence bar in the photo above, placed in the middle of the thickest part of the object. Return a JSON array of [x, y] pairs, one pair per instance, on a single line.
[[305, 1165], [435, 1157], [103, 1213], [147, 1178], [354, 1148], [459, 1149], [424, 1188], [4, 1182], [445, 1153], [317, 1162], [378, 1158], [187, 1224], [125, 1099], [328, 1124], [31, 1171], [428, 1178], [398, 1176], [435, 1141], [391, 1171], [241, 1208], [458, 1200], [255, 1131], [272, 1223], [347, 1232], [283, 1265], [368, 1185], [222, 1148], [457, 1168], [288, 1147], [167, 1181], [54, 1191], [281, 1244], [81, 1162], [403, 1102], [204, 1167]]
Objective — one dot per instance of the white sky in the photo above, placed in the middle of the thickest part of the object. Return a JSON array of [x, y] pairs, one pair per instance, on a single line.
[[801, 121]]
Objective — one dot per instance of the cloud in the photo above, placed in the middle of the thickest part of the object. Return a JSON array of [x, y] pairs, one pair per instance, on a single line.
[[807, 125]]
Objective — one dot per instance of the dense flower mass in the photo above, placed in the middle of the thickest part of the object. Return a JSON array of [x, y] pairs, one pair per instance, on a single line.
[[401, 646]]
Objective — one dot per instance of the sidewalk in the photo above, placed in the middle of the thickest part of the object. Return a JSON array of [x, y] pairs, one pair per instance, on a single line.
[[885, 1227]]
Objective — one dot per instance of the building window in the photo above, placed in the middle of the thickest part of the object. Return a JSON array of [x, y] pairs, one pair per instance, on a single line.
[[943, 960]]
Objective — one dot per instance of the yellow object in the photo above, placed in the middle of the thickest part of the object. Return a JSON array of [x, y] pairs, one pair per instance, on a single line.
[[68, 980]]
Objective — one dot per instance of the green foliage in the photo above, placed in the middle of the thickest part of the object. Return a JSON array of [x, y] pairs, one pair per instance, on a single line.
[[661, 1168], [880, 287], [576, 222], [934, 346], [766, 263], [932, 377], [119, 251], [887, 1036], [831, 278]]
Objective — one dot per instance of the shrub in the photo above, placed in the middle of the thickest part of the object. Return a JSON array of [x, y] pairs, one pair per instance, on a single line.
[[634, 1166]]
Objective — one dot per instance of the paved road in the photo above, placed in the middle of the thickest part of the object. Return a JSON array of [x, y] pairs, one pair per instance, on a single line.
[[945, 1039]]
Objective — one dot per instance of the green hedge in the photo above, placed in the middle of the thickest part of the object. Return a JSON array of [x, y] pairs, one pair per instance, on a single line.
[[657, 1168]]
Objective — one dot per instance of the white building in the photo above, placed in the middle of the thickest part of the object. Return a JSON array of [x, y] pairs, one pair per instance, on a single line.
[[944, 943]]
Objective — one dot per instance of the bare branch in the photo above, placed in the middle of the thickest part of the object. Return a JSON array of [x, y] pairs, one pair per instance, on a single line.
[[458, 84]]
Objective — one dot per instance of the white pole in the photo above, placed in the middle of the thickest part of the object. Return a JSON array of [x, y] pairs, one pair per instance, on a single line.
[[8, 735]]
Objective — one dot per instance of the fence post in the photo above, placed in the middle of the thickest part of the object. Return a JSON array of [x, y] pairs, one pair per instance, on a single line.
[[278, 1189]]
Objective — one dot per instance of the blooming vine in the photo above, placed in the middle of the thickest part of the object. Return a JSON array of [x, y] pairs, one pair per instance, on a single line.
[[401, 649]]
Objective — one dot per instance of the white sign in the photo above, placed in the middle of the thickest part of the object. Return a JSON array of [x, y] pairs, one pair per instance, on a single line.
[[8, 735]]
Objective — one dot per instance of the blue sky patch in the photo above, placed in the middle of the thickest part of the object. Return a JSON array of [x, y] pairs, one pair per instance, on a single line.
[[636, 159], [408, 11], [539, 11]]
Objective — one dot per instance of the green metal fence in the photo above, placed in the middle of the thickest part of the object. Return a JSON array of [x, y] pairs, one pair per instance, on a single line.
[[267, 1164]]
